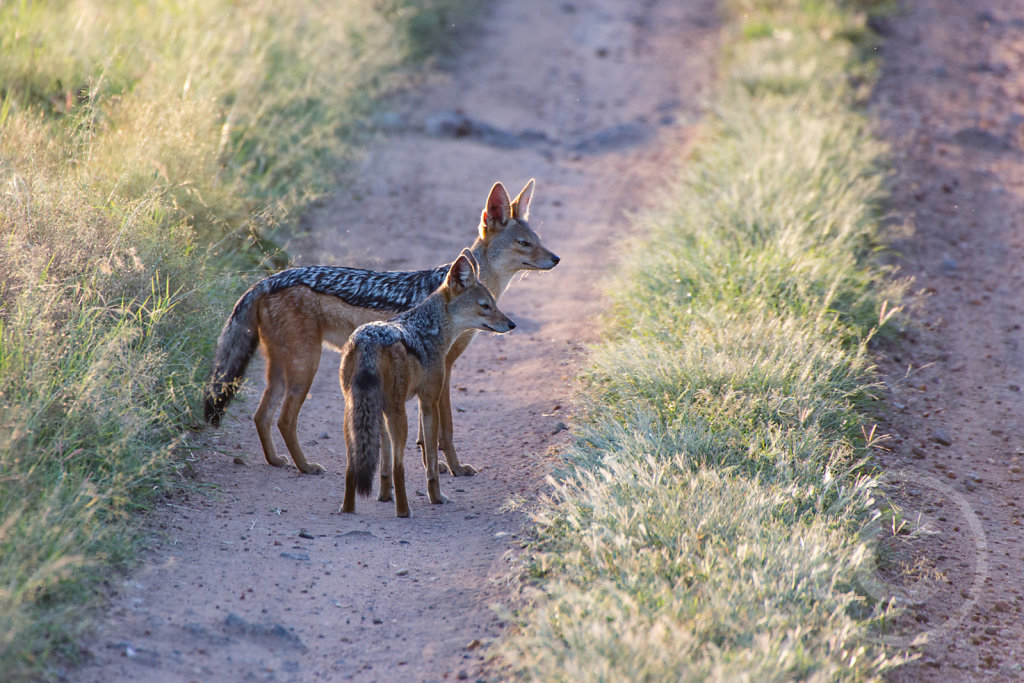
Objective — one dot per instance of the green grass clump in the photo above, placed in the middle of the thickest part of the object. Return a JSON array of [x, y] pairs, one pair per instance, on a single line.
[[711, 519], [144, 148]]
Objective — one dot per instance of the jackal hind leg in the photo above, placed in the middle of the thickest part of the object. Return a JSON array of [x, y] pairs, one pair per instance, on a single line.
[[348, 503], [429, 420], [264, 415], [384, 495], [299, 378], [398, 429]]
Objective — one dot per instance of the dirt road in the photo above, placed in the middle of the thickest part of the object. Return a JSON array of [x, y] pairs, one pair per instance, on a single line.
[[951, 101], [262, 580]]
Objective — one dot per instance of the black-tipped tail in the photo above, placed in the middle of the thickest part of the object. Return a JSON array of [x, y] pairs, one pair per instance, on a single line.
[[364, 407], [235, 346]]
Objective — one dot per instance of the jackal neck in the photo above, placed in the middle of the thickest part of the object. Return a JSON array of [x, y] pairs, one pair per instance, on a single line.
[[495, 281], [427, 330]]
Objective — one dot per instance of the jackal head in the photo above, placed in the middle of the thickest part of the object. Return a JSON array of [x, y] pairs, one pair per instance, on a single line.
[[470, 305], [510, 244]]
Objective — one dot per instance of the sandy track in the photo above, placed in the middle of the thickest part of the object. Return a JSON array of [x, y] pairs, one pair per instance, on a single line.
[[593, 99], [951, 101]]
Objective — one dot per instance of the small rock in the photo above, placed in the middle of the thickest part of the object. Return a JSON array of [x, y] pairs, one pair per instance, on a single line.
[[981, 139], [238, 461], [1002, 605], [560, 427], [462, 675], [324, 435], [270, 632], [357, 533], [970, 485], [448, 124], [998, 69], [948, 265], [402, 572], [305, 534], [919, 452], [302, 557], [614, 138], [942, 436], [473, 644]]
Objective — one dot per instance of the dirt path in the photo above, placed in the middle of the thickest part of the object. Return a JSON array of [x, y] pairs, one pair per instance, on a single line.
[[262, 580], [951, 101]]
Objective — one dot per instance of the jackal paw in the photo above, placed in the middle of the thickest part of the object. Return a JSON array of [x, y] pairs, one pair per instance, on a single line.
[[460, 471], [438, 498], [385, 496], [313, 468]]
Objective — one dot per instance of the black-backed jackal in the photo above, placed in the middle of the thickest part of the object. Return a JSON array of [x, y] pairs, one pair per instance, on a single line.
[[292, 314], [385, 363]]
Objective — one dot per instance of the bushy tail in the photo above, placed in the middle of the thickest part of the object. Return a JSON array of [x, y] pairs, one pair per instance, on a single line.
[[364, 408], [235, 346]]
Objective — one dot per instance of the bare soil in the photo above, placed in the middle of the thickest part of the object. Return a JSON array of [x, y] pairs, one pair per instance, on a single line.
[[951, 102], [261, 578]]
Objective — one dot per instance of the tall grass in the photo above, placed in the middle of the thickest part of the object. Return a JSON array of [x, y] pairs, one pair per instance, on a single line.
[[710, 522], [144, 146]]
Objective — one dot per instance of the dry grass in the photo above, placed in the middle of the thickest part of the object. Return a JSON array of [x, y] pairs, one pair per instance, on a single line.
[[145, 147], [712, 517]]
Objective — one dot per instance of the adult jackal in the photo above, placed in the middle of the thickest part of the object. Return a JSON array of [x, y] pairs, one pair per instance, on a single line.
[[292, 314]]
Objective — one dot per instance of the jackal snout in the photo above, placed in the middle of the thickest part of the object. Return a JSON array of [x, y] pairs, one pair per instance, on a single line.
[[499, 323], [545, 261]]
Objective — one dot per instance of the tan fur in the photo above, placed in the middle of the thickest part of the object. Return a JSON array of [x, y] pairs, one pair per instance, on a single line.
[[294, 324], [401, 374]]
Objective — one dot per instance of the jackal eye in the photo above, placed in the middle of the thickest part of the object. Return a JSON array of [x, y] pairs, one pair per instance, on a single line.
[[484, 305], [523, 243]]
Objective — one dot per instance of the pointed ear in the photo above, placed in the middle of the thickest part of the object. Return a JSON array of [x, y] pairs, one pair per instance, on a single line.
[[460, 276], [472, 259], [521, 205], [497, 211]]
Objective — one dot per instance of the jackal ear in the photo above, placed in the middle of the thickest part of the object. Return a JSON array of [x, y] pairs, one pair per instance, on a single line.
[[521, 204], [472, 259], [461, 275], [496, 212]]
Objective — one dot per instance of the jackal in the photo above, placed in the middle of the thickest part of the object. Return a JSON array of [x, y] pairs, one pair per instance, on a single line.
[[292, 314], [384, 364]]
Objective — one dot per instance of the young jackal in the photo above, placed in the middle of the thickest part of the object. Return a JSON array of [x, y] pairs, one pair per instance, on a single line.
[[384, 364], [292, 314]]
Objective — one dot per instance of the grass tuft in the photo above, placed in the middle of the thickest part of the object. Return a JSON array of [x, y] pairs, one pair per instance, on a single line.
[[710, 520], [146, 149]]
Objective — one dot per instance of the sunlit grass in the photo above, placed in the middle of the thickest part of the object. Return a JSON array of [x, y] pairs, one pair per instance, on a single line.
[[145, 149], [708, 522]]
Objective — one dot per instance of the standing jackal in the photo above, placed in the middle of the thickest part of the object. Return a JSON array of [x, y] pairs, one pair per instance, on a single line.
[[384, 364], [292, 314]]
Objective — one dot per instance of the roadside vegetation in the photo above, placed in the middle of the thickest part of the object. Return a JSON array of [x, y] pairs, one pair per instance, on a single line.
[[718, 506], [147, 150]]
